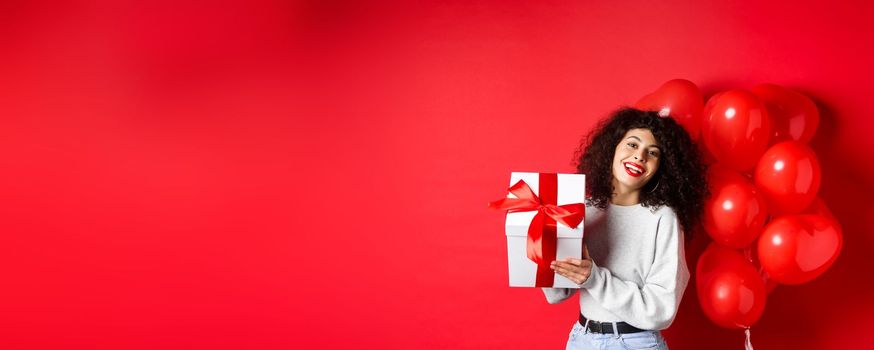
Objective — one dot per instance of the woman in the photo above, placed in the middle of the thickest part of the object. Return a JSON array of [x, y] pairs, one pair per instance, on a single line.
[[646, 187]]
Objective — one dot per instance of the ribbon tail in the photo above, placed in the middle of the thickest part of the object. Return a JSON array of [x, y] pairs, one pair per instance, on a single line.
[[522, 191], [525, 199], [534, 245], [513, 204]]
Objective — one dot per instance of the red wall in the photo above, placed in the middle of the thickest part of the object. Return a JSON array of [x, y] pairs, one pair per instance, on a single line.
[[266, 175]]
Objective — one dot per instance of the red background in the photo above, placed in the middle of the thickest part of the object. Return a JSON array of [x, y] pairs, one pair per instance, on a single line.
[[274, 174]]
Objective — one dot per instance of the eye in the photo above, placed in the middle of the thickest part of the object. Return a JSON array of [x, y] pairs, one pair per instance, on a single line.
[[632, 145], [654, 153]]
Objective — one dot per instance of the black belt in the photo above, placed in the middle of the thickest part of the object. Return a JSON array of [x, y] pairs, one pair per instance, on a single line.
[[607, 327]]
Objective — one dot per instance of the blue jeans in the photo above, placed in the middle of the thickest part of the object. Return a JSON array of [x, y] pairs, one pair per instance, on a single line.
[[581, 339]]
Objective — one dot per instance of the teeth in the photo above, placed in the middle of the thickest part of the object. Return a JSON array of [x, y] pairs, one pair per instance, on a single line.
[[633, 168]]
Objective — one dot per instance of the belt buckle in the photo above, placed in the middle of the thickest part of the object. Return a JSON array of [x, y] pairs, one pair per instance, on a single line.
[[597, 328]]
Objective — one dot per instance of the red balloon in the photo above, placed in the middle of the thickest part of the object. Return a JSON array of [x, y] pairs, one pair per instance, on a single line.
[[736, 129], [730, 290], [794, 116], [818, 207], [751, 253], [770, 284], [735, 212], [795, 249], [788, 175], [708, 107], [707, 157], [679, 98]]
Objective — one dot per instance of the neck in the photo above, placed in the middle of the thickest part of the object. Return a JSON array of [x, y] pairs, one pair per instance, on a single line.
[[623, 195]]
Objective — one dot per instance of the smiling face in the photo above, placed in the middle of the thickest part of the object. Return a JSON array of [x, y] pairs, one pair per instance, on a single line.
[[635, 160]]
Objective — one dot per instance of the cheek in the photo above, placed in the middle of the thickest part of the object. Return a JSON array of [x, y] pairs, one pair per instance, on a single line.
[[619, 155], [617, 164]]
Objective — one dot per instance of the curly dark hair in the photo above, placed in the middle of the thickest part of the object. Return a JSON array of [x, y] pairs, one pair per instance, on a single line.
[[680, 181]]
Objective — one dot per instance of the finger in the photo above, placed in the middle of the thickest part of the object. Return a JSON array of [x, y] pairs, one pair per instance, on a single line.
[[580, 278], [562, 263], [576, 277], [565, 265], [573, 261], [568, 260], [564, 271], [571, 269], [584, 265], [576, 262]]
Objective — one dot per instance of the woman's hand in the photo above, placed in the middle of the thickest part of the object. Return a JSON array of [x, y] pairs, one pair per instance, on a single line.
[[577, 270]]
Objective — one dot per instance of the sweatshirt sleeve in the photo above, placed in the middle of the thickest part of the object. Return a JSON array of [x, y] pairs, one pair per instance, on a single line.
[[653, 305], [557, 295]]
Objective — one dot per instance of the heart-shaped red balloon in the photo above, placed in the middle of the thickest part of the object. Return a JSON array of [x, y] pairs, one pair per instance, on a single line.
[[710, 103], [735, 212], [795, 249], [789, 176], [730, 290], [794, 116], [708, 157], [736, 129], [818, 207], [680, 99]]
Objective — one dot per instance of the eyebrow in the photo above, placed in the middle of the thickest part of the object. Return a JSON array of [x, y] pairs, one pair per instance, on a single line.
[[638, 139]]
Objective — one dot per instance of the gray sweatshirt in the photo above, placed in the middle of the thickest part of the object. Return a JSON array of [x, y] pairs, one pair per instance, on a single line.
[[639, 272]]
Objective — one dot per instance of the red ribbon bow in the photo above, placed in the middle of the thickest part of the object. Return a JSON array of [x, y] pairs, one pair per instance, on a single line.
[[541, 243]]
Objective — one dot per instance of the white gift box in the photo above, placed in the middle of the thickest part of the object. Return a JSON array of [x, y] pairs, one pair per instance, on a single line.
[[571, 188]]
